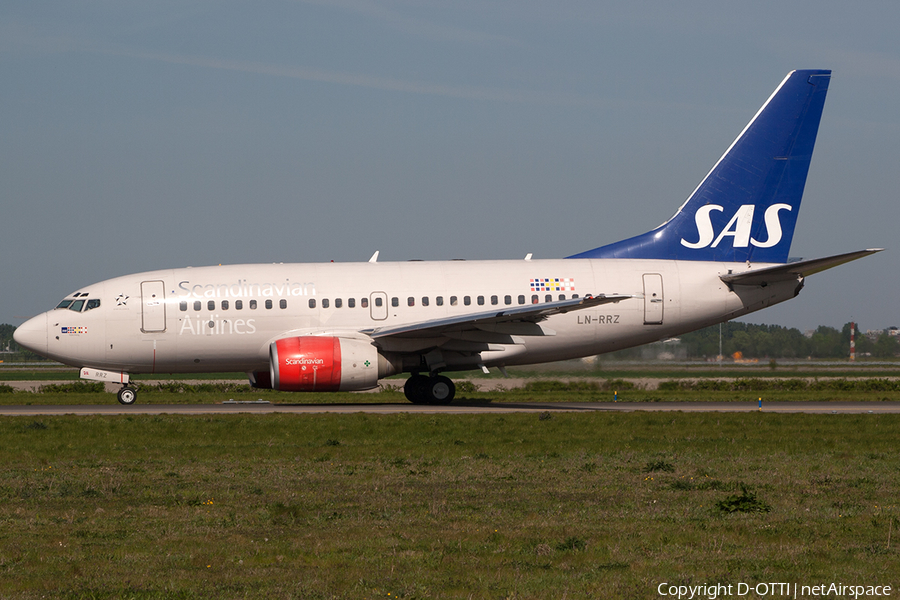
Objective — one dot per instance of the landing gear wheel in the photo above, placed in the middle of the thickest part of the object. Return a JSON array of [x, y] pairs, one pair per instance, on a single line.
[[439, 390], [413, 388], [127, 396], [429, 390]]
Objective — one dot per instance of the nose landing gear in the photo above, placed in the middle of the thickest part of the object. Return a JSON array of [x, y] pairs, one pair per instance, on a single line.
[[127, 395]]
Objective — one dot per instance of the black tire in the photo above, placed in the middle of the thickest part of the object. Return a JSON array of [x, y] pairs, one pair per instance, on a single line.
[[439, 390], [127, 396], [414, 388]]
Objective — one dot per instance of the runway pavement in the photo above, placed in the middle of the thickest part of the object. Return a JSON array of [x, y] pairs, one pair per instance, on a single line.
[[456, 408]]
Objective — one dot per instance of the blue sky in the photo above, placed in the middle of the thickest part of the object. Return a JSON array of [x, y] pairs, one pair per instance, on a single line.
[[138, 136]]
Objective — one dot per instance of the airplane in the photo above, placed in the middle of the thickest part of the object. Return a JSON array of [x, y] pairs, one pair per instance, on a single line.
[[345, 326]]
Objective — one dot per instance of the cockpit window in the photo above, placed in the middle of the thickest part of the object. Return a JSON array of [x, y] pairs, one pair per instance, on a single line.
[[64, 304], [92, 303], [77, 305]]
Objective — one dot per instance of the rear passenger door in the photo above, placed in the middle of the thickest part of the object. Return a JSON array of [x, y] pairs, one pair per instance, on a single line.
[[653, 299]]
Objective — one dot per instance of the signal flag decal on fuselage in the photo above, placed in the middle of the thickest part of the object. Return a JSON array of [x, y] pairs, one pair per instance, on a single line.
[[557, 284]]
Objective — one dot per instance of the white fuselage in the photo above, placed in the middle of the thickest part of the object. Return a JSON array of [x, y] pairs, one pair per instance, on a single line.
[[224, 318]]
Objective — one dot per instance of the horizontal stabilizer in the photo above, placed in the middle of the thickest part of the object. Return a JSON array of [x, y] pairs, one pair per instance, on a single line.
[[794, 270]]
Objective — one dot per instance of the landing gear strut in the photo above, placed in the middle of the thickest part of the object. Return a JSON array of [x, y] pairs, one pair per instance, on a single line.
[[127, 395], [420, 389]]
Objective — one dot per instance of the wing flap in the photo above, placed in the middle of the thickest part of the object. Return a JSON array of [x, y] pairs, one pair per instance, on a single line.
[[515, 320]]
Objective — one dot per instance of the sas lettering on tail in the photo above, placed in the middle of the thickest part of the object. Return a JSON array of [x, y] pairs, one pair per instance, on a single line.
[[739, 228]]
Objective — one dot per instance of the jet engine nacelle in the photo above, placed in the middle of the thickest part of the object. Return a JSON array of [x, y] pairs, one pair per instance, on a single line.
[[324, 364]]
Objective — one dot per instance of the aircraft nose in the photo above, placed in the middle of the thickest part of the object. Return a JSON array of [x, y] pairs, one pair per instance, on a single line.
[[32, 334]]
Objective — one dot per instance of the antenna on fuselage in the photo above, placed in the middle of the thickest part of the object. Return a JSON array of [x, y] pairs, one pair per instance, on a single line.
[[374, 257]]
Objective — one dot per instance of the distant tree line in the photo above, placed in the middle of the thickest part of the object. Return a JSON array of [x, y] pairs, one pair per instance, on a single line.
[[775, 341], [6, 337], [8, 343]]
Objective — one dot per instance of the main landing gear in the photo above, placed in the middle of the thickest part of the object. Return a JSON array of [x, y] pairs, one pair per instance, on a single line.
[[420, 389], [127, 395]]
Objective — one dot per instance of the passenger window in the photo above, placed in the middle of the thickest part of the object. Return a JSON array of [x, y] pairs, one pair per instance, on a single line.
[[378, 302], [453, 301], [424, 300], [325, 303], [507, 300], [253, 305], [395, 302], [480, 300], [282, 303], [198, 305], [495, 300], [562, 296], [268, 304], [224, 304], [548, 298], [351, 302], [211, 305], [439, 300], [467, 300], [338, 303], [521, 299], [410, 301], [312, 302], [182, 306], [364, 302], [534, 299], [64, 304], [238, 304], [574, 296]]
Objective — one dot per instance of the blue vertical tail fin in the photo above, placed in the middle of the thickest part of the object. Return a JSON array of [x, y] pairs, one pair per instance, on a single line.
[[746, 207]]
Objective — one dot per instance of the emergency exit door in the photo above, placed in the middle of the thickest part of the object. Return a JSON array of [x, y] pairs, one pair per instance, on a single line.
[[378, 307], [653, 299]]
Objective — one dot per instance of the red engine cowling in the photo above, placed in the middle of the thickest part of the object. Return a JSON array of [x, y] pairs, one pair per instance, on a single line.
[[322, 364]]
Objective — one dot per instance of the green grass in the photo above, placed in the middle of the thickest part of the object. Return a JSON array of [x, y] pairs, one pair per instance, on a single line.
[[586, 505], [743, 390], [604, 370]]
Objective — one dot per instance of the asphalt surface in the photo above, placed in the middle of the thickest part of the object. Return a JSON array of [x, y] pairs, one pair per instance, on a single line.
[[455, 408]]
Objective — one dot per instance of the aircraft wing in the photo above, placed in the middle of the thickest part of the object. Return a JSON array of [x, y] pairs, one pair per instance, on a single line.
[[794, 270], [529, 314]]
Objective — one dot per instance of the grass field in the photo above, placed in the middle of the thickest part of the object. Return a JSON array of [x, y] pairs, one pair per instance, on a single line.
[[538, 390], [580, 505], [606, 370]]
